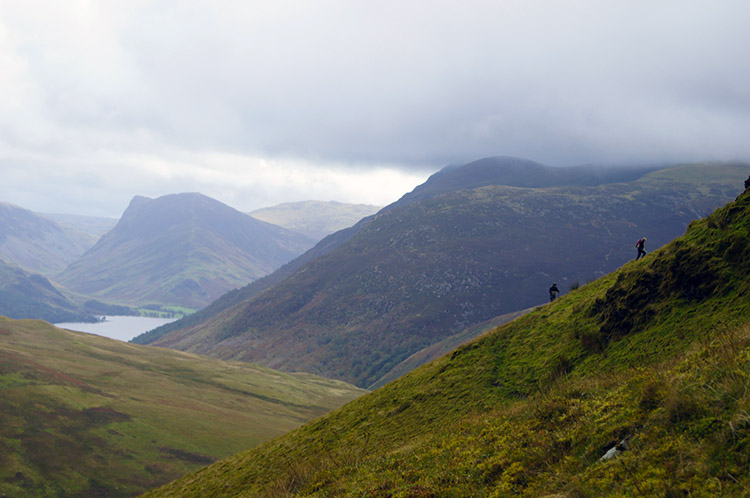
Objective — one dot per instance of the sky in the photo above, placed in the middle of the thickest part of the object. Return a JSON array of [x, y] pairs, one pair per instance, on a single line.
[[255, 103]]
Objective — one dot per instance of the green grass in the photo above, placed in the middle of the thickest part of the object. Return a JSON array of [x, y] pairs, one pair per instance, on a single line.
[[82, 415], [656, 354], [163, 311]]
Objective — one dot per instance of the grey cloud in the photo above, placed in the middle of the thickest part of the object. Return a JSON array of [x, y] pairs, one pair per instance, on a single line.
[[433, 82], [412, 84]]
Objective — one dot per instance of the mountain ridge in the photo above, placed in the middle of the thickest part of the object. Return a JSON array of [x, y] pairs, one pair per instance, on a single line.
[[421, 271], [560, 402], [180, 249], [449, 177], [518, 172]]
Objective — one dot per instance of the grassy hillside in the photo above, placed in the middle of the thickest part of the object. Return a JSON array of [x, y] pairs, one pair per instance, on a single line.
[[654, 357], [82, 415], [420, 272]]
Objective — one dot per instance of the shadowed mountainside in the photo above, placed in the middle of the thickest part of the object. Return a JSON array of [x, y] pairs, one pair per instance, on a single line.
[[502, 170], [636, 384], [419, 272]]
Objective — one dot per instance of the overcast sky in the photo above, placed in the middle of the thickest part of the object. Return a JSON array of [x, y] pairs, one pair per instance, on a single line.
[[257, 102]]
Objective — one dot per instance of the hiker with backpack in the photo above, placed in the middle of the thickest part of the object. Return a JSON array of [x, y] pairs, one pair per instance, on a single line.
[[553, 292], [640, 246]]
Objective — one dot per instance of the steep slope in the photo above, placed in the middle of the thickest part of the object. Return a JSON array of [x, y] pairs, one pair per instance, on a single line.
[[420, 272], [83, 416], [180, 249], [316, 219], [35, 243], [501, 170], [29, 295], [651, 360], [254, 288]]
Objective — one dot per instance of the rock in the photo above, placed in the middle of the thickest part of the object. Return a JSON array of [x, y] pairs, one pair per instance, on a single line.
[[615, 450]]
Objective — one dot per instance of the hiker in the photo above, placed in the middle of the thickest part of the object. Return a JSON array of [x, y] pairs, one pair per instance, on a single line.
[[640, 246], [553, 292]]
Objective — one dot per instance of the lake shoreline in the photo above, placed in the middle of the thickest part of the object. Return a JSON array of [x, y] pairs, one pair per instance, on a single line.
[[121, 328]]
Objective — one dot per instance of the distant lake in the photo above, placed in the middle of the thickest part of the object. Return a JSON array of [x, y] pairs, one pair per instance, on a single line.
[[122, 328]]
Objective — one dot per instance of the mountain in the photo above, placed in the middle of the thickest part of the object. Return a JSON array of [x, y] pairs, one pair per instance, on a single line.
[[518, 172], [316, 219], [254, 288], [180, 249], [427, 269], [36, 243], [85, 416], [30, 295], [636, 384], [501, 170]]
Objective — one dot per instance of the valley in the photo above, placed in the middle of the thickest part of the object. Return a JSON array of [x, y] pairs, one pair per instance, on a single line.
[[409, 302], [446, 258], [649, 363], [170, 256], [374, 249]]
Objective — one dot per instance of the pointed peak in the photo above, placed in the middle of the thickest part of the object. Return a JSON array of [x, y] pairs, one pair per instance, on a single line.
[[138, 200]]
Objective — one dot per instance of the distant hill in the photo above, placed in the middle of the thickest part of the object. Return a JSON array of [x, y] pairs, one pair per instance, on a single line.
[[315, 219], [633, 385], [425, 269], [83, 415], [30, 295], [36, 243], [87, 228], [180, 249]]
